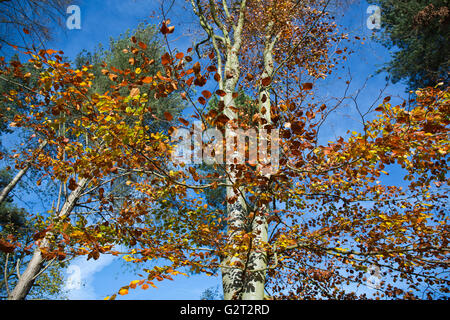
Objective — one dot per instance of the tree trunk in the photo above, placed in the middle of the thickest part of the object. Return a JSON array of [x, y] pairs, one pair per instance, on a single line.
[[26, 280], [232, 276], [255, 277]]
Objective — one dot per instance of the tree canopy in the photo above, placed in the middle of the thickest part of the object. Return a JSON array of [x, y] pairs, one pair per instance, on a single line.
[[418, 33]]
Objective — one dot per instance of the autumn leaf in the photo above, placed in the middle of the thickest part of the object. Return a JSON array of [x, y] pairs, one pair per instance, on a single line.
[[221, 93], [168, 116], [307, 86], [134, 92], [196, 68], [50, 51], [123, 291], [206, 94], [202, 100], [142, 45], [147, 80], [165, 59], [266, 81], [183, 121], [6, 246], [113, 77]]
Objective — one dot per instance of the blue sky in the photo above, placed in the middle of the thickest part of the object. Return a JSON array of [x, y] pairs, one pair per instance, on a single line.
[[101, 20]]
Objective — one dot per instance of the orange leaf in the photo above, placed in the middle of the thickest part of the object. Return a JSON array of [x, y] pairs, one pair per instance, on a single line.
[[113, 77], [147, 80], [142, 45], [165, 59], [50, 51], [168, 116], [307, 86], [206, 94]]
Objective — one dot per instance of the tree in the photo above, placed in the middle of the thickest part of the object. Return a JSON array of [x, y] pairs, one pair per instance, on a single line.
[[14, 222], [319, 220], [116, 56], [419, 32]]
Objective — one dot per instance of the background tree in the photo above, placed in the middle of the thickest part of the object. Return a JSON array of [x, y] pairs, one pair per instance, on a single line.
[[417, 32], [15, 222]]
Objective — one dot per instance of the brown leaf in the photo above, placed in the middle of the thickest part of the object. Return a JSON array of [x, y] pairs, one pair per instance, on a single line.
[[183, 121], [266, 81], [206, 94], [202, 100], [168, 116], [196, 68], [6, 247], [307, 86], [221, 93], [222, 119], [142, 45]]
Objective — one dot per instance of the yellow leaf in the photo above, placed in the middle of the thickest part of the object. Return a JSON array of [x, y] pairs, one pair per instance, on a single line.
[[123, 291]]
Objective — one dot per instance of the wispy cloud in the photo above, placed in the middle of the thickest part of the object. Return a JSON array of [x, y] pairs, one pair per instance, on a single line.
[[81, 275]]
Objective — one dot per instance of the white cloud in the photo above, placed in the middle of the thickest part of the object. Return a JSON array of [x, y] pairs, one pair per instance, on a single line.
[[81, 275]]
